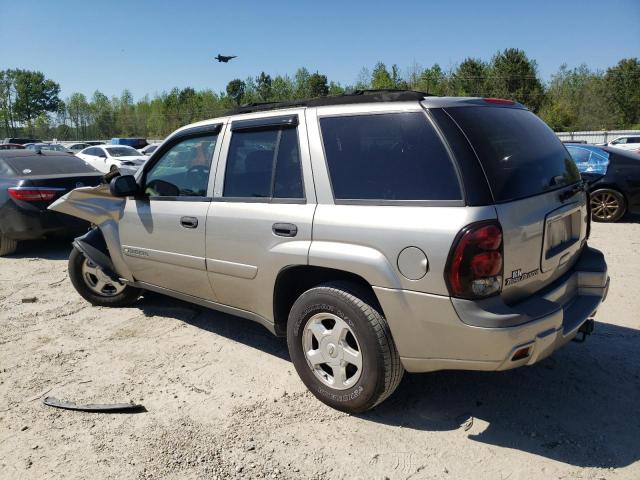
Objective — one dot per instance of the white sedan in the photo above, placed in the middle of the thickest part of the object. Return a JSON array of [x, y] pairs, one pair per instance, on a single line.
[[108, 158], [627, 142]]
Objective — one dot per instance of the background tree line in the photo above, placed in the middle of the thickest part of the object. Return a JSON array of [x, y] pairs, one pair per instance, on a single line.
[[573, 99]]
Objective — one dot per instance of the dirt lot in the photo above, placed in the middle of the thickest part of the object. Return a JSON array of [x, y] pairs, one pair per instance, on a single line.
[[224, 401]]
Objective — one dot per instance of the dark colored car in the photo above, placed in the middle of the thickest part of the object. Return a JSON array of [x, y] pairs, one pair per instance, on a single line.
[[613, 176], [29, 183], [11, 146], [21, 140]]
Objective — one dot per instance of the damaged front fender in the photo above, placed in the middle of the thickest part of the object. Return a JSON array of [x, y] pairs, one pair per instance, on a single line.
[[98, 206]]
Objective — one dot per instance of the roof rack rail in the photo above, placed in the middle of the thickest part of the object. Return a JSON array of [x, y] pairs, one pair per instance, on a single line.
[[356, 96]]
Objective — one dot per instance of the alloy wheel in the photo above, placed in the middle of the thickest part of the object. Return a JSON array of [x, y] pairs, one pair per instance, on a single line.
[[98, 281], [604, 206], [332, 351]]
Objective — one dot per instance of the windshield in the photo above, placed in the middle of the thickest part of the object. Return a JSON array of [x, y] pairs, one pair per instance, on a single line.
[[122, 152], [520, 154]]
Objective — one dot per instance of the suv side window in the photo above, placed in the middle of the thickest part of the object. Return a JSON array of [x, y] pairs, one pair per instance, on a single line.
[[393, 156], [264, 163], [183, 170]]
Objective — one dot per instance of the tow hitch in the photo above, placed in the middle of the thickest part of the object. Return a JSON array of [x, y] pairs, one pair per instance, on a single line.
[[585, 329]]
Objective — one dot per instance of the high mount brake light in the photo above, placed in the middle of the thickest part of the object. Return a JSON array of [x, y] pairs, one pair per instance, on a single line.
[[499, 101], [35, 194], [475, 266]]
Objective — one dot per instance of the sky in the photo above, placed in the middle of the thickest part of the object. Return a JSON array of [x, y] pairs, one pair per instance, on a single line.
[[152, 46]]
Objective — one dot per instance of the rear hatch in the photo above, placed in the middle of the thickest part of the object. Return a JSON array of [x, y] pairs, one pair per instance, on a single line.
[[537, 191]]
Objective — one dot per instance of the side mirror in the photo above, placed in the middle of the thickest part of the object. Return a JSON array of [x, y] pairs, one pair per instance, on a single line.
[[123, 186]]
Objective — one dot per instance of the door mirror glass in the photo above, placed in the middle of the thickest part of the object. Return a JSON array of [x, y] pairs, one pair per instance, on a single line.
[[123, 186]]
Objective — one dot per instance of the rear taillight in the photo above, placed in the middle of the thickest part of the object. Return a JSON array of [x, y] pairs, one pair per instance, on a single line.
[[34, 194], [474, 268]]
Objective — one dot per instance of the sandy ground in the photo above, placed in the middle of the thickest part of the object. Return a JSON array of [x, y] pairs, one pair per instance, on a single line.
[[223, 400]]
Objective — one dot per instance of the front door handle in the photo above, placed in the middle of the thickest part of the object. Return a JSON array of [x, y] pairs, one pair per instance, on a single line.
[[189, 222], [285, 229]]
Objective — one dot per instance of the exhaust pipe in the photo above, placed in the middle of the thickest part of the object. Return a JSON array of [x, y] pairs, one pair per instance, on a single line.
[[585, 329]]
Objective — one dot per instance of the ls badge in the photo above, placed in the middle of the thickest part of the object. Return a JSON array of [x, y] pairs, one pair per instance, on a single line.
[[518, 276]]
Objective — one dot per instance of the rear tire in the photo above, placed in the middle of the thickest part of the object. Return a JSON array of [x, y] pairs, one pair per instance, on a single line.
[[342, 348], [607, 205], [93, 285], [7, 246]]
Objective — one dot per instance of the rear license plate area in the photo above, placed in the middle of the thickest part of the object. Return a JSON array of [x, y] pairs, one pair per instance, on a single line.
[[561, 233]]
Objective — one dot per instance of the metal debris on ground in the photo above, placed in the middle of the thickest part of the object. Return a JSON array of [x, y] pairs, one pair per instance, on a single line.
[[95, 407]]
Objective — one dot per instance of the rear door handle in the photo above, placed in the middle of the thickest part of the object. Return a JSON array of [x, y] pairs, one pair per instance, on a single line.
[[285, 229], [189, 222]]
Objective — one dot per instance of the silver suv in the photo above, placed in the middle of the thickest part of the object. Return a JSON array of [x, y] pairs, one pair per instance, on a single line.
[[379, 232]]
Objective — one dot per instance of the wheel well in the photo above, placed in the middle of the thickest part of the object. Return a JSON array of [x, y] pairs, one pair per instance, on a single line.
[[295, 280], [610, 186]]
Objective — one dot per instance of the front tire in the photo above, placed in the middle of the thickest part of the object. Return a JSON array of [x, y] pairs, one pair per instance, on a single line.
[[96, 287], [7, 246], [341, 347], [607, 205]]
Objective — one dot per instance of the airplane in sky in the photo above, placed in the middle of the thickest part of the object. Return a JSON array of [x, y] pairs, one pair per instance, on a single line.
[[224, 58]]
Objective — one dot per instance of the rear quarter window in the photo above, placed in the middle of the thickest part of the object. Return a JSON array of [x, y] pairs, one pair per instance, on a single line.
[[388, 157], [520, 154]]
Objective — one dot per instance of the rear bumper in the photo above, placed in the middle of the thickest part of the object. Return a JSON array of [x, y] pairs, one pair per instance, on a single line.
[[34, 224], [433, 332]]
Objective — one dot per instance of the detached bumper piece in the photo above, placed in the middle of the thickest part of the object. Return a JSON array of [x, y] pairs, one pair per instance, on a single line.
[[95, 407]]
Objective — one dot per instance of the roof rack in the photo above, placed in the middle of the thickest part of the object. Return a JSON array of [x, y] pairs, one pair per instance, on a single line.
[[357, 96]]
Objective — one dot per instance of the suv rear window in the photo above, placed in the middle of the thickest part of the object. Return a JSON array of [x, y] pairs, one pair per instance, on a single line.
[[394, 156], [520, 154]]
